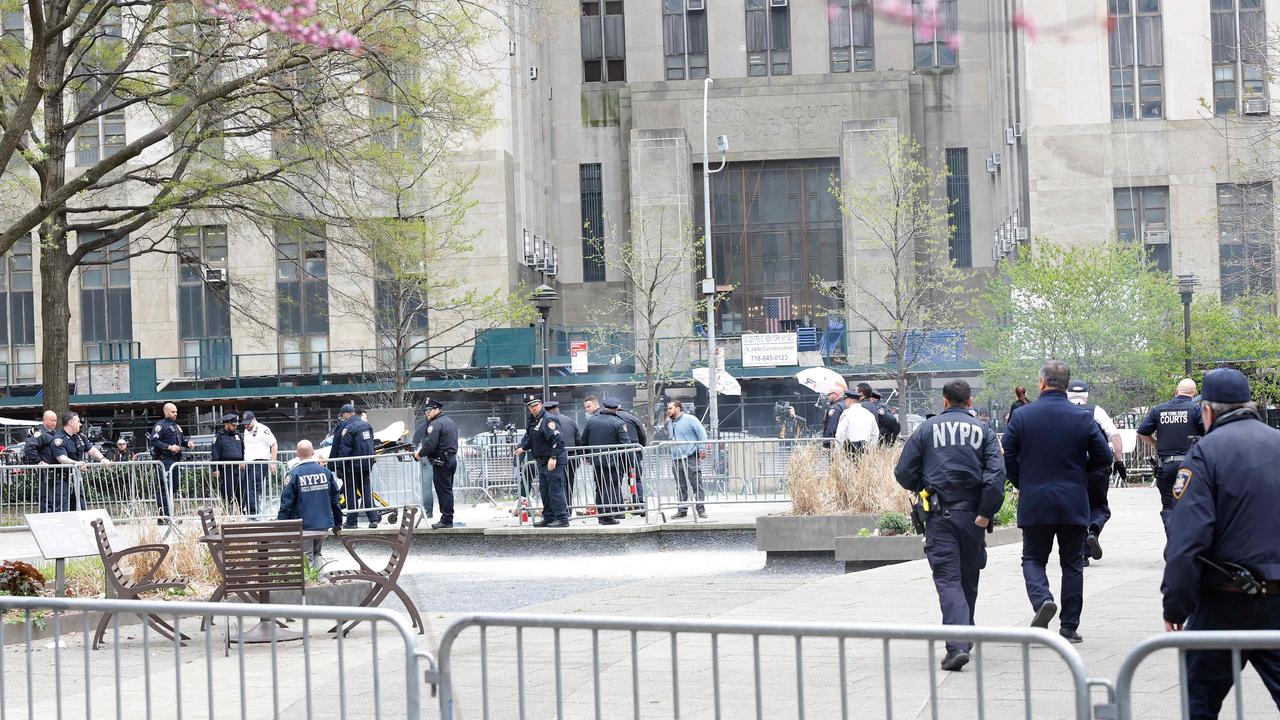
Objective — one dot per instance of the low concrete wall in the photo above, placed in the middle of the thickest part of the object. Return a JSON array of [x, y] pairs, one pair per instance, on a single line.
[[807, 533], [864, 553]]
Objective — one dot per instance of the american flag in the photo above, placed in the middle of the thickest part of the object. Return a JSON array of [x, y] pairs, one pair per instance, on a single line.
[[776, 310]]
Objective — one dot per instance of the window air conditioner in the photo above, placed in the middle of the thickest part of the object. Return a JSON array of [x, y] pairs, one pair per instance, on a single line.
[[533, 72], [1010, 137], [1022, 234], [545, 261], [1155, 237], [1256, 105], [777, 3], [215, 275], [554, 268], [991, 165], [528, 247], [995, 158], [693, 5], [536, 263]]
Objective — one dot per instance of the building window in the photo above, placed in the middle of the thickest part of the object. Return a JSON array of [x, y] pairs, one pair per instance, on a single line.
[[1239, 31], [961, 242], [102, 136], [302, 296], [401, 318], [1136, 50], [204, 310], [13, 27], [106, 301], [776, 234], [684, 38], [768, 38], [396, 125], [17, 316], [591, 192], [1142, 216], [1246, 240], [850, 28], [934, 32], [604, 47]]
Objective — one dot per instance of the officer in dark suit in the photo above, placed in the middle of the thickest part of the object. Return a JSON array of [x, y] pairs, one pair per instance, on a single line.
[[1222, 562], [542, 440], [1050, 448], [1169, 427], [168, 442], [228, 447], [353, 443], [957, 459], [831, 417], [440, 448], [885, 421], [70, 447], [634, 460], [569, 429], [604, 429]]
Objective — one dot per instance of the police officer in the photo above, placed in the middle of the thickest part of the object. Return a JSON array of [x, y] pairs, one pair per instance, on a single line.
[[1169, 428], [634, 460], [604, 429], [569, 429], [38, 450], [885, 421], [542, 440], [70, 447], [957, 458], [168, 442], [440, 448], [353, 443], [1222, 562], [310, 493], [228, 447], [831, 418], [1099, 480]]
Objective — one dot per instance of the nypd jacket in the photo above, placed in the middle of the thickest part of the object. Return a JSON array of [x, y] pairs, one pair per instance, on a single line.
[[165, 433], [1050, 447], [1227, 492], [604, 428], [39, 446], [542, 438], [568, 428], [439, 439], [227, 446], [310, 493], [355, 439], [831, 419], [959, 457], [635, 428]]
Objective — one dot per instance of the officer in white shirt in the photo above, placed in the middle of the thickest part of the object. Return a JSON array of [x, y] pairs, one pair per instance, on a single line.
[[858, 428], [1100, 481], [259, 447]]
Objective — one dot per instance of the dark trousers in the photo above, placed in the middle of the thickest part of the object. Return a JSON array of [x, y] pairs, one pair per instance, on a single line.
[[167, 488], [1099, 511], [957, 551], [552, 486], [57, 490], [688, 475], [232, 487], [255, 475], [355, 491], [442, 472], [1209, 671], [1165, 478], [608, 487], [1037, 541], [570, 477]]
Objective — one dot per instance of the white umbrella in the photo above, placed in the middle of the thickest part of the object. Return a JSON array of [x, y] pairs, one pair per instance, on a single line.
[[820, 379], [726, 384]]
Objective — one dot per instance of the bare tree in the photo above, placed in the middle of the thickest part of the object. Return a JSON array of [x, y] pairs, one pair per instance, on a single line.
[[168, 113], [650, 316], [905, 286]]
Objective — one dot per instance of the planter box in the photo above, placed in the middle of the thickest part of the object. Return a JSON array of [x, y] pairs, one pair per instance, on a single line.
[[809, 537], [347, 594], [864, 553]]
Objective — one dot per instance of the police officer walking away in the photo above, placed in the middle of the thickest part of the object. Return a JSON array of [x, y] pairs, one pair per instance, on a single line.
[[168, 442], [440, 448], [831, 417], [603, 429], [1050, 447], [1169, 428], [1099, 480], [228, 447], [353, 443], [1222, 562], [70, 447], [543, 441], [957, 459], [310, 493], [569, 430]]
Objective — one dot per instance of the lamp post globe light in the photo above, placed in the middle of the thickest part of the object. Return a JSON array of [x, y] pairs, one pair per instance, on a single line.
[[1187, 286], [544, 297]]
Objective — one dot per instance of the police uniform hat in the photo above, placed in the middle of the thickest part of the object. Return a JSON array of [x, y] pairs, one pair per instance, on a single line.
[[348, 408], [876, 396], [551, 404], [611, 403], [432, 405], [1226, 385], [1078, 386], [534, 400], [851, 394], [248, 417], [230, 418]]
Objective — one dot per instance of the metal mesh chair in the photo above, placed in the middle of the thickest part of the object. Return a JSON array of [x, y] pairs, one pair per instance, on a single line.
[[386, 580]]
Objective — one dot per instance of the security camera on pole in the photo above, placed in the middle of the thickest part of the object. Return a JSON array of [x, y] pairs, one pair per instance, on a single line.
[[709, 284]]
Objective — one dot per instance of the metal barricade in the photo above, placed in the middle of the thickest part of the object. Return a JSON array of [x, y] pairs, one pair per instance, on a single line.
[[114, 487], [542, 665], [1236, 642], [393, 481], [48, 669], [602, 483], [227, 483], [746, 470], [491, 469]]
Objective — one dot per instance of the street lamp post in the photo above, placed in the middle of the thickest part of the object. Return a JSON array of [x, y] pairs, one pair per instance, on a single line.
[[709, 283], [543, 297], [1186, 286]]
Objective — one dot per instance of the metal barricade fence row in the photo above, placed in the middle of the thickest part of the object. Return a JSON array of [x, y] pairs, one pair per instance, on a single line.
[[604, 482], [375, 672], [252, 487], [118, 488], [581, 666], [490, 469], [393, 481], [752, 470]]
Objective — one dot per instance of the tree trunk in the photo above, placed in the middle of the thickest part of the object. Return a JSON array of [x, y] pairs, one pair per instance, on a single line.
[[55, 272]]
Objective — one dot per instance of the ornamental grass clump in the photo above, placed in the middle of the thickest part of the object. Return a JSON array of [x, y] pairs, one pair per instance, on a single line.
[[826, 481]]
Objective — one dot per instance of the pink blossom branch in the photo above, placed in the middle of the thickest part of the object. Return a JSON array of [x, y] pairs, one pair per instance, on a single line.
[[288, 23]]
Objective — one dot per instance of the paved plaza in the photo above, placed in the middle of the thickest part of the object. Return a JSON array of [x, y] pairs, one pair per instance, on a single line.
[[719, 581]]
